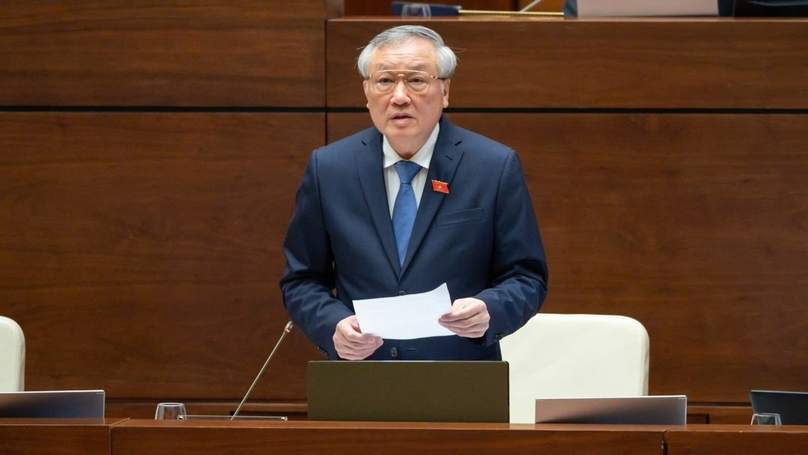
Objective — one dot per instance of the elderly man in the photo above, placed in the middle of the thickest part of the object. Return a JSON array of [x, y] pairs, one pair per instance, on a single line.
[[406, 206]]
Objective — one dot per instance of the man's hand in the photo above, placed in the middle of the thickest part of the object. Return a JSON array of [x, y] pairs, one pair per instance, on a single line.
[[469, 318], [351, 343]]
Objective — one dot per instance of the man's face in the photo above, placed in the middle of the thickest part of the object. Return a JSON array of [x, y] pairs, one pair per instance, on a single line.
[[406, 118]]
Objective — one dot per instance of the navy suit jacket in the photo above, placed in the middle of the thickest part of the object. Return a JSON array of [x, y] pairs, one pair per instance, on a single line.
[[482, 239]]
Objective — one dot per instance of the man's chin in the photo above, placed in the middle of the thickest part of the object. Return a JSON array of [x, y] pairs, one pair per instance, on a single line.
[[399, 131]]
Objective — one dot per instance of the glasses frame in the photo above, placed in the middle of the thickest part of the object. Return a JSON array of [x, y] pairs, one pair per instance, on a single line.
[[400, 73]]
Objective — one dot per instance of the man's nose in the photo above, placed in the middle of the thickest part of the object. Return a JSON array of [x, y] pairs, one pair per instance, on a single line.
[[400, 93]]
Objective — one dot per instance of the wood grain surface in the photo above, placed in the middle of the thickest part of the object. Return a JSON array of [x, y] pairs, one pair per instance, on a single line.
[[166, 53], [177, 438], [292, 410], [737, 440], [643, 64], [55, 436], [141, 252], [694, 224]]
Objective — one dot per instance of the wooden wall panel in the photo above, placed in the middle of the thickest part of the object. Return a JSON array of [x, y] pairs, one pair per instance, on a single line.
[[166, 53], [377, 8], [546, 5], [692, 223], [141, 252], [519, 63]]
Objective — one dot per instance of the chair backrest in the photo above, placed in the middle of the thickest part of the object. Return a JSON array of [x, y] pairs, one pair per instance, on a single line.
[[574, 355], [12, 356]]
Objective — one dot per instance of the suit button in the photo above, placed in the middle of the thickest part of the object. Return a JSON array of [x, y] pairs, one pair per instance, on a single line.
[[401, 293], [394, 352]]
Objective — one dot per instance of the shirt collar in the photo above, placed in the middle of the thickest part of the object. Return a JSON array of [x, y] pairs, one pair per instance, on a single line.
[[422, 157]]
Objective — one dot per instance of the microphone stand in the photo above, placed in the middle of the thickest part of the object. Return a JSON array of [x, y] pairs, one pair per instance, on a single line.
[[286, 331]]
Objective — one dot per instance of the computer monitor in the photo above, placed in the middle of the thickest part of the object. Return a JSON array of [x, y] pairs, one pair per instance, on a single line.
[[53, 404], [408, 391], [771, 8], [792, 406], [636, 410]]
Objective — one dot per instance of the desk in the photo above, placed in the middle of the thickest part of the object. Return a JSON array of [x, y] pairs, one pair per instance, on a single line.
[[246, 438], [55, 436], [149, 437], [737, 440]]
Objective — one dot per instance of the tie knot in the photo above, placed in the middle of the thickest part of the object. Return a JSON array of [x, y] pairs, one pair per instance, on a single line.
[[406, 171]]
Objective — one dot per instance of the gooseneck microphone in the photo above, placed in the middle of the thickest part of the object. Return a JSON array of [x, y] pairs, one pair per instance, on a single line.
[[286, 331]]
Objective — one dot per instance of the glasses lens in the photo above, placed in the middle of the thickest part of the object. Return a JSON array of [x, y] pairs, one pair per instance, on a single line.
[[417, 82], [386, 81]]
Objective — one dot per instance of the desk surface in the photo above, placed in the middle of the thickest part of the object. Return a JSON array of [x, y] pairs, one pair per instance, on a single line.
[[737, 440], [250, 437], [56, 436], [128, 437]]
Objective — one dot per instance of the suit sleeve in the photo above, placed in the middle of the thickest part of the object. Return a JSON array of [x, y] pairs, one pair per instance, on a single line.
[[519, 269], [309, 275]]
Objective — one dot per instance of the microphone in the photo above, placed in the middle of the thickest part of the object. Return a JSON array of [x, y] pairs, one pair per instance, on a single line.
[[286, 331]]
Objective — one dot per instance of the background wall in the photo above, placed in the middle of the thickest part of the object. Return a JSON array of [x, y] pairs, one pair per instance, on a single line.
[[149, 155], [666, 163]]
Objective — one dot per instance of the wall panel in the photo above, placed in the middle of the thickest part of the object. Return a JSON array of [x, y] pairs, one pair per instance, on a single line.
[[141, 252], [169, 53], [692, 223], [639, 64]]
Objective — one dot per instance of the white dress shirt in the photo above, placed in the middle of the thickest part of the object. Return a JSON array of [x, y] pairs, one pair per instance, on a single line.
[[421, 158]]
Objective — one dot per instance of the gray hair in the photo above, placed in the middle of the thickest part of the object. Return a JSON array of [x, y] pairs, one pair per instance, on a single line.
[[445, 57]]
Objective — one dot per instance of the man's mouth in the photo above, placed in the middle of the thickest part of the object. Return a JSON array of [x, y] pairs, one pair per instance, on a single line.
[[401, 117]]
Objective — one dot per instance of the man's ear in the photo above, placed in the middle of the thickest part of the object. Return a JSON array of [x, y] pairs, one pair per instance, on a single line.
[[446, 92], [365, 88]]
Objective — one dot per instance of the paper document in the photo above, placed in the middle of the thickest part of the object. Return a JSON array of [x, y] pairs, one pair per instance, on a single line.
[[405, 317]]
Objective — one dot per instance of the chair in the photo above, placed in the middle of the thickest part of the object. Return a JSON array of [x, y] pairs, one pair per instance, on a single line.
[[12, 356], [574, 355]]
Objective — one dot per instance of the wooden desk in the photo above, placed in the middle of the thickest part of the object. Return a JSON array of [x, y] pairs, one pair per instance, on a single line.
[[246, 438], [737, 440], [130, 437], [55, 436]]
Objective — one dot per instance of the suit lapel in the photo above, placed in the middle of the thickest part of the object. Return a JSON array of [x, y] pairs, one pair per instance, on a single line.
[[442, 167], [371, 179]]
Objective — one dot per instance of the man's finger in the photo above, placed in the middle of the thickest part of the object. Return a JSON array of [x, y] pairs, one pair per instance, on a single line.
[[466, 322], [358, 352], [475, 331]]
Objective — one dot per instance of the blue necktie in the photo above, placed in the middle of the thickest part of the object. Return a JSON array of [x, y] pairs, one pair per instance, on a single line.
[[405, 207]]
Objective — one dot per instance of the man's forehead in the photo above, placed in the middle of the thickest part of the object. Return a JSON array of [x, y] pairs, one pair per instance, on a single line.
[[414, 54]]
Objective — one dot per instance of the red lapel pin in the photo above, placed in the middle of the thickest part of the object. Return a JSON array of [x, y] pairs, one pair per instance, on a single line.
[[440, 187]]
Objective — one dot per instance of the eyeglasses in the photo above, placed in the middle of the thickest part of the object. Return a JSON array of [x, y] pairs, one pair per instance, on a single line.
[[384, 81]]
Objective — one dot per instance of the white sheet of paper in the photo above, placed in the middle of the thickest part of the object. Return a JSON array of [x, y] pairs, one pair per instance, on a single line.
[[405, 317]]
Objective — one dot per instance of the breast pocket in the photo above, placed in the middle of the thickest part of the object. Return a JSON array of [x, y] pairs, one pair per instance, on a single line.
[[462, 216]]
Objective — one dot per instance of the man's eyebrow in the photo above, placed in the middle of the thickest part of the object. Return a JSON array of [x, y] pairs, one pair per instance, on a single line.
[[384, 66]]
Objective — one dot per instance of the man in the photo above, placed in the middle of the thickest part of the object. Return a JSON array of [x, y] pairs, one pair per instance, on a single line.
[[406, 206]]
